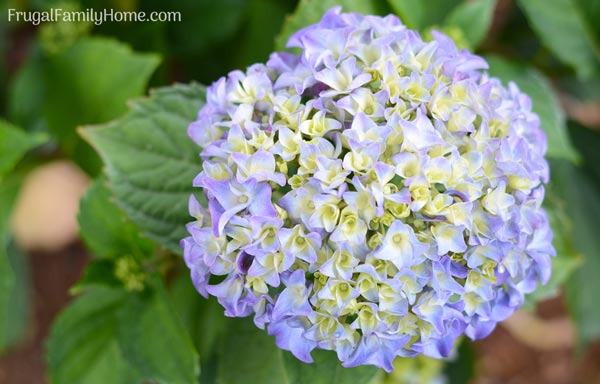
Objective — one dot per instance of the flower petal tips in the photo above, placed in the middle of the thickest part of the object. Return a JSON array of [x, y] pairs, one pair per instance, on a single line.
[[377, 195]]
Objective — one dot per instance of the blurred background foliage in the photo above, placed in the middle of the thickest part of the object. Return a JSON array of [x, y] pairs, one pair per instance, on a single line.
[[56, 77]]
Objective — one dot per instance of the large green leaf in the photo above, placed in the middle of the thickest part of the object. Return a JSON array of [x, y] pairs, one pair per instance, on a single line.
[[104, 227], [587, 142], [253, 354], [3, 55], [15, 310], [263, 22], [151, 162], [14, 285], [419, 14], [544, 102], [202, 318], [565, 29], [8, 282], [582, 288], [98, 273], [567, 259], [582, 189], [9, 189], [461, 368], [90, 83], [311, 11], [26, 93], [14, 143], [586, 91], [83, 347], [214, 21], [326, 369], [590, 10], [474, 18], [154, 341], [257, 360], [111, 336]]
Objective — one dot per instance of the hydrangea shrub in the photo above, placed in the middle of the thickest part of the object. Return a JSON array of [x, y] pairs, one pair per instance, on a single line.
[[376, 195]]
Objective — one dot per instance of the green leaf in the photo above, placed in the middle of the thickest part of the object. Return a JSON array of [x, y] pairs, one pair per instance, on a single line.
[[564, 29], [87, 95], [14, 285], [474, 18], [154, 341], [82, 347], [26, 94], [544, 101], [584, 91], [9, 190], [590, 10], [326, 369], [253, 354], [257, 360], [104, 227], [112, 336], [419, 14], [567, 258], [311, 11], [14, 144], [264, 20], [215, 21], [15, 296], [461, 369], [90, 83], [151, 162], [99, 272], [587, 142], [583, 205], [3, 56], [202, 318], [582, 189]]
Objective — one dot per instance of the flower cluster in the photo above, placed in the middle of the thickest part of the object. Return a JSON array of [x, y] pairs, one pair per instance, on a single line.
[[377, 195]]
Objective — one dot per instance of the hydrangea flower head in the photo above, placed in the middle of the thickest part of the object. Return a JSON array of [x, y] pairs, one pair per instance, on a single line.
[[377, 195]]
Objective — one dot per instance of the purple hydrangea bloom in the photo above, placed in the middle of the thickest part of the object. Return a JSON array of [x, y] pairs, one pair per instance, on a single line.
[[377, 195]]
